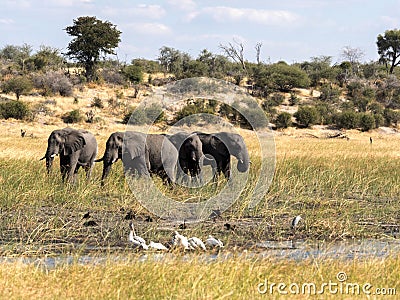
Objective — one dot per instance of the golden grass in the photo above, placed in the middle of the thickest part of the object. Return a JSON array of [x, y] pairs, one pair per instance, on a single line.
[[177, 278]]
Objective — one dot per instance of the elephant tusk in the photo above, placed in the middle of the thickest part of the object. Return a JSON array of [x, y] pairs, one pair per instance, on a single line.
[[53, 155], [241, 161]]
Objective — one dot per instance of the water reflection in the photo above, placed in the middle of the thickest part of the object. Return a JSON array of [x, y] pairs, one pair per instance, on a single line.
[[293, 250]]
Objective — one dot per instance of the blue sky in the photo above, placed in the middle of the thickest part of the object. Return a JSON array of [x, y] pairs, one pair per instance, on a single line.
[[291, 30]]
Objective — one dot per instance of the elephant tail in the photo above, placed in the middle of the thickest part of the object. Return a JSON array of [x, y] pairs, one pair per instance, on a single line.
[[99, 160], [43, 157]]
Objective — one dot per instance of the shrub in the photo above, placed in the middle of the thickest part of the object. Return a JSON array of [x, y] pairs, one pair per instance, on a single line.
[[293, 100], [133, 73], [97, 102], [367, 122], [306, 116], [283, 120], [74, 116], [14, 109], [347, 119], [52, 83]]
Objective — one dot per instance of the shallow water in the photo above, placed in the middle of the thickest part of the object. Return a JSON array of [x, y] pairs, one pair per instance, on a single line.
[[286, 250]]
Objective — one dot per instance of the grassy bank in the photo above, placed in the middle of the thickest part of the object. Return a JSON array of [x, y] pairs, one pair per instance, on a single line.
[[236, 278]]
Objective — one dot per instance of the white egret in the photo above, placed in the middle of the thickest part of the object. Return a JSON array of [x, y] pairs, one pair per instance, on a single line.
[[196, 243], [214, 242], [135, 239], [180, 240], [157, 246]]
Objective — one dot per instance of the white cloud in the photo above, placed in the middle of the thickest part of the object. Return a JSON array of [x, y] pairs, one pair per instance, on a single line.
[[187, 5], [150, 28], [139, 11], [6, 21], [390, 21], [261, 16]]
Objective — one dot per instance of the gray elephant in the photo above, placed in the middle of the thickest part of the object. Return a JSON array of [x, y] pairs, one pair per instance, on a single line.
[[190, 153], [77, 148], [221, 146], [141, 154]]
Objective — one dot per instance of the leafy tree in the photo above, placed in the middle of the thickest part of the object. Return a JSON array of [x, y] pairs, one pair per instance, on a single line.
[[392, 117], [133, 73], [306, 116], [73, 116], [47, 58], [319, 69], [283, 120], [92, 38], [389, 49], [280, 76], [17, 54], [19, 85]]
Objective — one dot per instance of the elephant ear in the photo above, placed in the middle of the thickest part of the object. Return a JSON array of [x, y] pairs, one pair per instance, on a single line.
[[74, 141], [219, 144], [135, 146]]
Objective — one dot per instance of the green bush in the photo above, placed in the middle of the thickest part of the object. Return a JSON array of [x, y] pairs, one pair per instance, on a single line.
[[97, 102], [14, 109], [307, 116], [347, 119], [367, 122], [283, 120], [74, 116]]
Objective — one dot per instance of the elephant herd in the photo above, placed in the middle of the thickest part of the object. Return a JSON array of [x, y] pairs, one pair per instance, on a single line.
[[180, 155]]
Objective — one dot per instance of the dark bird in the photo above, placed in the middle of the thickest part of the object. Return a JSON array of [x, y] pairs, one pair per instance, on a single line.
[[228, 226], [183, 225], [86, 216], [148, 219], [129, 215], [370, 140], [23, 133]]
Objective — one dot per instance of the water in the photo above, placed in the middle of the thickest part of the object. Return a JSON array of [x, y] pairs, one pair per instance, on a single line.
[[286, 250]]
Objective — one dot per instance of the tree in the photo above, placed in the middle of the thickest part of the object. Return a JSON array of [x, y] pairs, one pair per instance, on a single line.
[[353, 56], [389, 48], [17, 54], [19, 85], [92, 38]]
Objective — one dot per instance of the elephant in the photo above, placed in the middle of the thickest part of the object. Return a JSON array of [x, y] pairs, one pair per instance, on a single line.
[[190, 153], [221, 146], [77, 148], [147, 154]]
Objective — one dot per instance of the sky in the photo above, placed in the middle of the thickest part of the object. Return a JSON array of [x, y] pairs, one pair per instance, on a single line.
[[289, 30]]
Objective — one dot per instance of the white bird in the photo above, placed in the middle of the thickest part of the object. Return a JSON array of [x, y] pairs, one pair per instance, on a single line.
[[214, 242], [135, 239], [295, 221], [196, 243], [157, 246], [180, 240]]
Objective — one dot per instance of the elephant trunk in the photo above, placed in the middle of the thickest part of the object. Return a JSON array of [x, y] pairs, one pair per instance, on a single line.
[[49, 156], [243, 161], [108, 159]]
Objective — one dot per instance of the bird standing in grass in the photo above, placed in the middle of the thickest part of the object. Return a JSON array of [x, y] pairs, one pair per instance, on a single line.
[[214, 242], [180, 240], [295, 222], [196, 243], [157, 246], [135, 239]]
